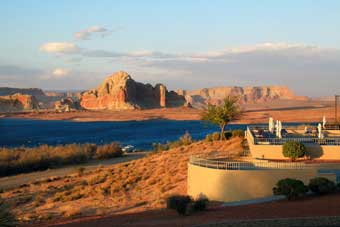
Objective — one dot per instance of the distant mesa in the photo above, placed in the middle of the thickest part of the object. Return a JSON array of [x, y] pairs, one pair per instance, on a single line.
[[18, 102], [248, 95], [120, 92]]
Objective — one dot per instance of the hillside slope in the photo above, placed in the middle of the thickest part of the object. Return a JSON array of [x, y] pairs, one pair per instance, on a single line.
[[128, 187]]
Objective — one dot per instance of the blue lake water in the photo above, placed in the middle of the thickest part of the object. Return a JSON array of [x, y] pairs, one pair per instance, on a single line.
[[141, 134]]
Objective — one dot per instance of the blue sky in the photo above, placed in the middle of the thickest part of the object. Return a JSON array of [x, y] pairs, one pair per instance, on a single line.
[[184, 44]]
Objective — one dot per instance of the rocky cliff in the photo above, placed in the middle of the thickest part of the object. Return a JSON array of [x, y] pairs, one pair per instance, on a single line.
[[201, 97], [18, 102], [45, 99], [120, 92]]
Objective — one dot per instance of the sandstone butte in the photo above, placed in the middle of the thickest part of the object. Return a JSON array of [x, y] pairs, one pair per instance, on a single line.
[[248, 95], [120, 92], [18, 102]]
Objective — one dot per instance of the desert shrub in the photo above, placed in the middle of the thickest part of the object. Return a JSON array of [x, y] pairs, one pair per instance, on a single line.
[[186, 139], [111, 150], [200, 204], [216, 136], [238, 133], [208, 138], [81, 171], [7, 219], [321, 185], [291, 188], [293, 150], [160, 147], [228, 134], [179, 203], [97, 179], [23, 159]]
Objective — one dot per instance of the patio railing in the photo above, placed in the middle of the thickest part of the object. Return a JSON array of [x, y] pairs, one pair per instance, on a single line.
[[207, 162], [332, 141]]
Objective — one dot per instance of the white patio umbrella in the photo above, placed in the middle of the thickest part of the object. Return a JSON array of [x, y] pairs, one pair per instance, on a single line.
[[277, 128], [271, 125], [280, 129], [324, 121], [320, 135]]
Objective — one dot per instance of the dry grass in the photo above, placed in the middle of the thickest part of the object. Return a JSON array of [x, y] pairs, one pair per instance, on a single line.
[[133, 186], [24, 159]]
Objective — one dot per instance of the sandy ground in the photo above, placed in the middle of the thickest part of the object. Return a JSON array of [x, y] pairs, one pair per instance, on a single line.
[[25, 178], [292, 111], [322, 206]]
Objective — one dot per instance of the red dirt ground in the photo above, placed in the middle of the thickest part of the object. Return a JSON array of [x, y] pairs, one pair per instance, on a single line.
[[308, 207]]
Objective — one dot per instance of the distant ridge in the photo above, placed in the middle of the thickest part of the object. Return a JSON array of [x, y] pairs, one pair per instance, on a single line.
[[258, 94]]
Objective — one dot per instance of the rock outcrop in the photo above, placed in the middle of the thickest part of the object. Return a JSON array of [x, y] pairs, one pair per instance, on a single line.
[[120, 92], [66, 105], [201, 97], [18, 102], [45, 99]]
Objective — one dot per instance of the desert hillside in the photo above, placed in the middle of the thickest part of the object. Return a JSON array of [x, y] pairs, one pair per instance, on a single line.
[[137, 185]]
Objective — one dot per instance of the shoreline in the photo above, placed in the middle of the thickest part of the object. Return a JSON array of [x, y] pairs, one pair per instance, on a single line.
[[251, 116]]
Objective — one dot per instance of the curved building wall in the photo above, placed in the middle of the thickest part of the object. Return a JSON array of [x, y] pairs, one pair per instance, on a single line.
[[236, 185]]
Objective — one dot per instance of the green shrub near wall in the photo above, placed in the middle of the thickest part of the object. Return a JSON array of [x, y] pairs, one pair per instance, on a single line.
[[293, 150], [291, 188], [321, 185]]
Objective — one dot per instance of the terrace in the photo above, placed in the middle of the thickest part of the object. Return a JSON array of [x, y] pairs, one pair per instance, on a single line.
[[322, 141], [223, 179]]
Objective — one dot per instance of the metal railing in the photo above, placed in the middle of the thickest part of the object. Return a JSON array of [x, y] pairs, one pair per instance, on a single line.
[[332, 141], [207, 162]]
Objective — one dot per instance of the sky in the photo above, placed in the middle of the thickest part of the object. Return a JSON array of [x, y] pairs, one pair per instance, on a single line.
[[74, 45]]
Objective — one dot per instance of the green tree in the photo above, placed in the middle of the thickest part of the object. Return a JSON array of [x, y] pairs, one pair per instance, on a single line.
[[222, 114], [293, 150]]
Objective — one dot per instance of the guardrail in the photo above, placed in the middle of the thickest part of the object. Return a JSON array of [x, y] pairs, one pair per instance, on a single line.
[[332, 141], [211, 162]]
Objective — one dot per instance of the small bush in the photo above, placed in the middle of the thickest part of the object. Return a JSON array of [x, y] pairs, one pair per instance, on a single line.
[[291, 188], [6, 217], [293, 150], [106, 151], [208, 138], [227, 135], [160, 147], [186, 139], [238, 133], [321, 185], [216, 136], [23, 159], [200, 204], [179, 203], [81, 171]]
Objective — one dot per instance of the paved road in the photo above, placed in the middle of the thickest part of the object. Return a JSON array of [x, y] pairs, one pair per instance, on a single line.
[[17, 180]]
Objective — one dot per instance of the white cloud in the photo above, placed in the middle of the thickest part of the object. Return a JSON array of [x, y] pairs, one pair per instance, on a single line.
[[87, 33], [60, 73], [60, 47], [307, 69]]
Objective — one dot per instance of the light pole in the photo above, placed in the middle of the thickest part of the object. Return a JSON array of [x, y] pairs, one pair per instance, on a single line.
[[336, 108]]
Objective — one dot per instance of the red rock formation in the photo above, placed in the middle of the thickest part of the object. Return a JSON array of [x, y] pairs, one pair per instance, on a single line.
[[66, 105], [201, 97], [18, 102], [120, 92]]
